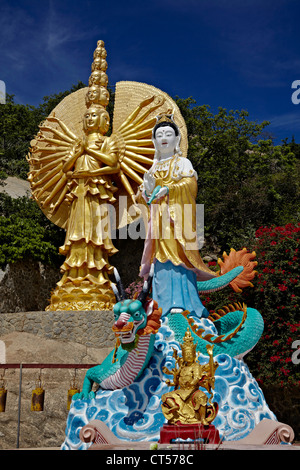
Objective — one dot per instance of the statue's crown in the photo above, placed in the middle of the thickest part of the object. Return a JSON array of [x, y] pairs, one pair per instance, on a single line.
[[164, 118], [188, 342]]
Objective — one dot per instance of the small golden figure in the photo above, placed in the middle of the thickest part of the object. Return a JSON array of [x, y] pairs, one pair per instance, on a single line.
[[187, 404]]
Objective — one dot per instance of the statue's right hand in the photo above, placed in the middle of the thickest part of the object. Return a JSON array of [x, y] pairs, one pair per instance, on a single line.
[[147, 101], [78, 147]]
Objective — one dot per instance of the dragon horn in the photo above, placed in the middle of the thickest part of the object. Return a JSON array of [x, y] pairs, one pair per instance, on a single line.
[[147, 286], [116, 292], [121, 291]]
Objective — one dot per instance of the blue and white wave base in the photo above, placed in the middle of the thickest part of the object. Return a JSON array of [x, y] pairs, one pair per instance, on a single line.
[[134, 412]]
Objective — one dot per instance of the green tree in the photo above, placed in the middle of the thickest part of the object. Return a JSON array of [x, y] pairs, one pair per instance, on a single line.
[[243, 180], [18, 126], [25, 233], [16, 130], [276, 295]]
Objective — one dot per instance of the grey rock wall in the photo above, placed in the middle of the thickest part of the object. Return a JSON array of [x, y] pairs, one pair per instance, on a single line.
[[47, 338]]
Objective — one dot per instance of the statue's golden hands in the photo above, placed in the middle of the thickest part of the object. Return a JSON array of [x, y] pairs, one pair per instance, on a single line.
[[102, 171], [147, 101], [109, 147], [79, 147], [167, 371], [169, 383], [209, 348], [69, 161]]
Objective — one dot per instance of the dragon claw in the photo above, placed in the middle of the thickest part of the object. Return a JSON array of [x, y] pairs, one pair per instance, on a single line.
[[84, 395]]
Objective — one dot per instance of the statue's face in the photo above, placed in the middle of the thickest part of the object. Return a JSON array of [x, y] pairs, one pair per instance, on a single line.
[[98, 78], [188, 355], [103, 79], [97, 95], [99, 64], [94, 93], [104, 122], [104, 96], [91, 119], [96, 120], [130, 317], [165, 140]]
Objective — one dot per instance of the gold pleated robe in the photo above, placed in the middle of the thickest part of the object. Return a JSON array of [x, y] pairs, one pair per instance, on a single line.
[[88, 244]]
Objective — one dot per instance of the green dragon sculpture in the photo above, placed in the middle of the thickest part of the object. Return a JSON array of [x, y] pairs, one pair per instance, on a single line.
[[138, 320]]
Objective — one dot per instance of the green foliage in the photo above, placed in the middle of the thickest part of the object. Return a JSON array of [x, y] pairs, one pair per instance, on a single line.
[[16, 130], [18, 126], [276, 295], [25, 233], [243, 181]]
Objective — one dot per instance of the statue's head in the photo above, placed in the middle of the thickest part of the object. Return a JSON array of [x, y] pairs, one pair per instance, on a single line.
[[99, 63], [97, 95], [166, 137], [96, 119], [188, 348], [100, 50], [98, 77]]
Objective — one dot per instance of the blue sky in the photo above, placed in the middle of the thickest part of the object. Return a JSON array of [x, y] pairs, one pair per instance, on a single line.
[[237, 54]]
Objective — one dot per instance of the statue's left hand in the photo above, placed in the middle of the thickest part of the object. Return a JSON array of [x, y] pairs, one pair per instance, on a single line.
[[149, 183], [161, 193]]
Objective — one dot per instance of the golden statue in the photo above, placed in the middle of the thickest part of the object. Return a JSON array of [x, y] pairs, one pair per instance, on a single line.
[[187, 404], [77, 174]]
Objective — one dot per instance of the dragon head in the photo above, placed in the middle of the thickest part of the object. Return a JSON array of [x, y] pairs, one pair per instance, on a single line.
[[134, 317]]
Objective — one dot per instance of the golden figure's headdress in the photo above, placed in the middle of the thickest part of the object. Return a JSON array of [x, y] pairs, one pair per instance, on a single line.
[[97, 93], [165, 118], [188, 342]]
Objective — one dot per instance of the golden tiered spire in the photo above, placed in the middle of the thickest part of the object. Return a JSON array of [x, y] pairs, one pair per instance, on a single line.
[[97, 93]]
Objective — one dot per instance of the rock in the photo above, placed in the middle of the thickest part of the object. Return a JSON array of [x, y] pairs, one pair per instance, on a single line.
[[30, 337]]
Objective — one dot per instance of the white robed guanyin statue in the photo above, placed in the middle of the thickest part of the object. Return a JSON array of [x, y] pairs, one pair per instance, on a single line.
[[170, 188]]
